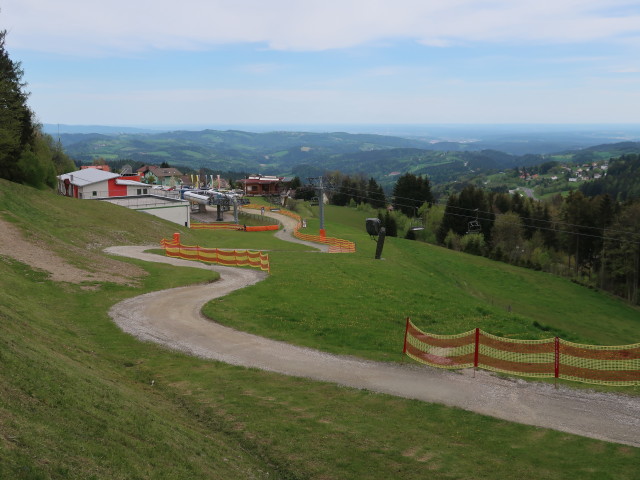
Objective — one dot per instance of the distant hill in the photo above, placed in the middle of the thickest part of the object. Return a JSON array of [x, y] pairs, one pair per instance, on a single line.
[[312, 153]]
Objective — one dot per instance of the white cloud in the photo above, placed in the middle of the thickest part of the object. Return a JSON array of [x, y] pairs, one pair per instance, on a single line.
[[627, 70], [116, 27]]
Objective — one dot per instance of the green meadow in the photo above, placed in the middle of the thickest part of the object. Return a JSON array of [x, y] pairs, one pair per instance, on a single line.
[[79, 399], [354, 304]]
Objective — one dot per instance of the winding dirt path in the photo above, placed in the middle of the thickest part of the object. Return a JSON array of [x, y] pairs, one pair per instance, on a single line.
[[173, 318], [286, 234]]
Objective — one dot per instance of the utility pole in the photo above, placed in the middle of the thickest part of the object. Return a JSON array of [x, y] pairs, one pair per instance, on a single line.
[[235, 210], [319, 185]]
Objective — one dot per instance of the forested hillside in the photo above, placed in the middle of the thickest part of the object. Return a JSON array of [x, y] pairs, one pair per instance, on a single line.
[[305, 154], [26, 154], [622, 181]]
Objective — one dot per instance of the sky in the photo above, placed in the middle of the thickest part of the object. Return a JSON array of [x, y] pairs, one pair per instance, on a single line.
[[240, 62]]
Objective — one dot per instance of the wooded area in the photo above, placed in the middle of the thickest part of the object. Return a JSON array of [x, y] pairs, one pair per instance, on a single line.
[[26, 154], [595, 240]]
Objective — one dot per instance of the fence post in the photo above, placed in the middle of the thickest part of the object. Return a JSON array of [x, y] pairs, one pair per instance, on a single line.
[[556, 362], [406, 331], [476, 352]]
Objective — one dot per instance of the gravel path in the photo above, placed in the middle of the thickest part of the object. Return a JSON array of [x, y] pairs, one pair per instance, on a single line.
[[173, 318], [286, 233]]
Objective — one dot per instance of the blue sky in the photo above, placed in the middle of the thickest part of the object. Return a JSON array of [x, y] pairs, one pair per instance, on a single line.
[[235, 62]]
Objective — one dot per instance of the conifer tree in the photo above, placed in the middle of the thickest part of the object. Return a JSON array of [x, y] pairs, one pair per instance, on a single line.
[[16, 119], [410, 192]]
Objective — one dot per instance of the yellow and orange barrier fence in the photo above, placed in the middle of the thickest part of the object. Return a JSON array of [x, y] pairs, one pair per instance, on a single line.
[[233, 226], [336, 245], [231, 258], [216, 226], [262, 228], [551, 358]]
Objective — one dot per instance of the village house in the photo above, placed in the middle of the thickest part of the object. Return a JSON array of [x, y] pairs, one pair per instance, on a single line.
[[264, 185], [168, 177]]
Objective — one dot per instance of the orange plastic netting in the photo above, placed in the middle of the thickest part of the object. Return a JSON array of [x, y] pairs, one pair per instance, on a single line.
[[235, 258], [552, 357], [336, 245]]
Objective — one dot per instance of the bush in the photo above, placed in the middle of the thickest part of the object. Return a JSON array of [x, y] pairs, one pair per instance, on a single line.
[[473, 244]]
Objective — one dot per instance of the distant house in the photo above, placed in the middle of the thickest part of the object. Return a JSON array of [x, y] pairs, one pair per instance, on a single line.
[[162, 176], [97, 183], [264, 185]]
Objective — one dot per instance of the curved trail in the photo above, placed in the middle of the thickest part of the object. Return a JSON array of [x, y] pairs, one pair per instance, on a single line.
[[286, 233], [173, 318]]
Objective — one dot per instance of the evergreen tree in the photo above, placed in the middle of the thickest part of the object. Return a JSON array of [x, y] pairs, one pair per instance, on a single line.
[[389, 224], [580, 238], [295, 183], [16, 119], [622, 253], [375, 194], [410, 192], [470, 206]]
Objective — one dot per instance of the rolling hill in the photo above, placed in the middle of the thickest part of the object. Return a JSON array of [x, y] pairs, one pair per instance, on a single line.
[[310, 154]]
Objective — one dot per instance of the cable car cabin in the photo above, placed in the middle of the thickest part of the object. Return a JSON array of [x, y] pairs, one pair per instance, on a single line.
[[474, 227]]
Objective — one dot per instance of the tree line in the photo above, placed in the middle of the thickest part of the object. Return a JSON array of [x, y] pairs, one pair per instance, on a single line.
[[595, 240], [27, 155]]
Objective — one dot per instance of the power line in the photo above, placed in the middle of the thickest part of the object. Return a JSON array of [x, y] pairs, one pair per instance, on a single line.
[[474, 212], [538, 227]]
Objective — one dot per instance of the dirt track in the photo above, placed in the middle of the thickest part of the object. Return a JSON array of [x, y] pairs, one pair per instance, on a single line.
[[172, 318]]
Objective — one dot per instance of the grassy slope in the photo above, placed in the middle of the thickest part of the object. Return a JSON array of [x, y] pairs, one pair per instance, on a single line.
[[355, 304], [76, 399]]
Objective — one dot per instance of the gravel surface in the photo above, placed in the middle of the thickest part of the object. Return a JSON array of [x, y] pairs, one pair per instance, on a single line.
[[286, 233], [173, 318]]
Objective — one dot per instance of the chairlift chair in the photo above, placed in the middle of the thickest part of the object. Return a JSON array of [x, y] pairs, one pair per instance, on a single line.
[[474, 227]]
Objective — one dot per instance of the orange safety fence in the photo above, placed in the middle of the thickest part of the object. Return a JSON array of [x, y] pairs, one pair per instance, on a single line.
[[262, 228], [550, 358], [233, 226], [336, 245], [216, 226], [231, 258]]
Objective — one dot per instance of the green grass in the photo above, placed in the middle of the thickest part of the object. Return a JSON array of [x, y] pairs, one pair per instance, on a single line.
[[76, 400], [352, 303]]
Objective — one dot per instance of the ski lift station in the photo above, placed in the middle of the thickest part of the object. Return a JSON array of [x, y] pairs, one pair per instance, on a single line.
[[172, 209], [127, 191]]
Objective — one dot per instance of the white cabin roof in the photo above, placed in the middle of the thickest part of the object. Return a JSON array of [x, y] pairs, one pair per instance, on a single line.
[[88, 176]]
